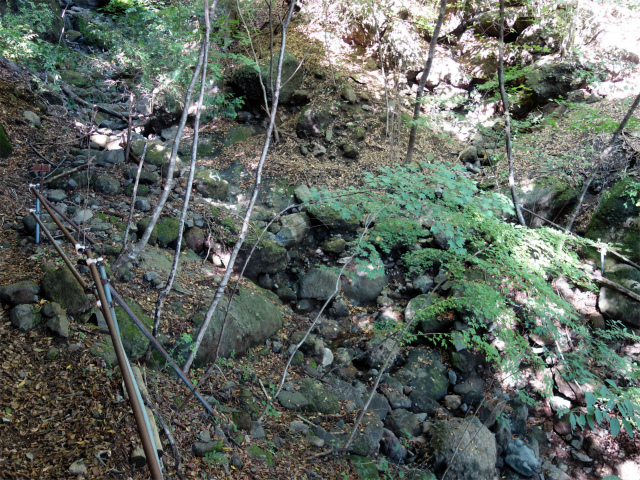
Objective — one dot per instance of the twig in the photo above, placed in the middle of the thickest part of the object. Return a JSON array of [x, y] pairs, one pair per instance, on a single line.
[[125, 240], [69, 172]]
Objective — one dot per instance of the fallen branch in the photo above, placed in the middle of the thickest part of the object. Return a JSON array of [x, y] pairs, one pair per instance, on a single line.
[[69, 172], [599, 278], [84, 103]]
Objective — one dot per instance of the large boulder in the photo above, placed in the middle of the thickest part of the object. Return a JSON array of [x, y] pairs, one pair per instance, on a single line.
[[62, 287], [331, 217], [425, 373], [416, 311], [313, 122], [246, 80], [478, 457], [25, 317], [364, 280], [548, 81], [253, 317], [616, 305], [320, 283], [294, 228], [268, 257], [209, 184], [135, 342], [20, 293], [617, 221], [547, 198]]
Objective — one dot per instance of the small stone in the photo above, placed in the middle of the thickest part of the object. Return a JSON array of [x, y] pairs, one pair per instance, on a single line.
[[452, 402], [142, 204], [315, 441], [52, 353], [32, 118], [78, 467], [83, 216], [581, 457]]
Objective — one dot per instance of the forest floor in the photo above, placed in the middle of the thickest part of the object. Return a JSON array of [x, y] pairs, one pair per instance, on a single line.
[[56, 412]]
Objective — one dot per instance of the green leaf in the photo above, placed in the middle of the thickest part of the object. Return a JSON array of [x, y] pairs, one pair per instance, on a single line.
[[590, 398], [627, 427], [615, 426], [572, 421], [599, 416]]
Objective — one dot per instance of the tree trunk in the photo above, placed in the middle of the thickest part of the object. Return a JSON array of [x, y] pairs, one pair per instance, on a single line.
[[254, 196], [507, 120], [423, 81]]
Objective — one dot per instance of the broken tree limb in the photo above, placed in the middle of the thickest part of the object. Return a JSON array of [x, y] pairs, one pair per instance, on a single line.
[[84, 103]]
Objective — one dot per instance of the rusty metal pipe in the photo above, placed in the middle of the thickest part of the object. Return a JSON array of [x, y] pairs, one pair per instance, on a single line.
[[145, 435], [163, 352], [76, 274]]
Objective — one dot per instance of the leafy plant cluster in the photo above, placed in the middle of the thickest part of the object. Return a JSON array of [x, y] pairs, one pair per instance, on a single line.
[[497, 281]]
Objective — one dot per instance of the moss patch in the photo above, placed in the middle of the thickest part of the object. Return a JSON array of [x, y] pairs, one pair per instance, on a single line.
[[134, 341]]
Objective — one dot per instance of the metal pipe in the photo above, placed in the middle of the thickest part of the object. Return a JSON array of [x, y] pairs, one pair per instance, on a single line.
[[49, 210], [163, 352], [107, 293], [76, 274], [37, 215], [145, 435], [51, 207]]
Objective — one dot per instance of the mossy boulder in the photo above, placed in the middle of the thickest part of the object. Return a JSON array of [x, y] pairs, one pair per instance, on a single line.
[[62, 287], [334, 219], [254, 316], [246, 80], [143, 191], [5, 145], [425, 373], [364, 280], [135, 343], [617, 221], [142, 228], [258, 453], [427, 323], [320, 399], [209, 184], [547, 197], [268, 257], [616, 305], [167, 229]]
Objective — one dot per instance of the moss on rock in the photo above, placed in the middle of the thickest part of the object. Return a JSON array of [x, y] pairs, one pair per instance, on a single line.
[[134, 341]]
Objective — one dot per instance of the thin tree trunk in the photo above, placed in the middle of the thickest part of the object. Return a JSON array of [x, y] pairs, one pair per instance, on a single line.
[[603, 157], [507, 120], [423, 80], [125, 240], [137, 250], [254, 196], [192, 168], [384, 75]]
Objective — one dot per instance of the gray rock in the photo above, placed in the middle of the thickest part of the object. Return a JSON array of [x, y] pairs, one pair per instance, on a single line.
[[209, 184], [349, 150], [397, 399], [423, 283], [295, 228], [302, 193], [59, 324], [452, 402], [32, 118], [403, 423], [314, 441], [425, 373], [367, 440], [554, 473], [107, 185], [340, 308], [299, 427], [19, 293], [56, 196], [110, 157], [318, 150], [320, 283], [146, 178], [332, 218], [391, 447], [269, 257], [463, 361], [61, 286], [614, 304], [363, 281], [200, 449], [142, 204], [25, 317], [246, 80], [348, 93], [169, 133], [78, 468], [521, 458], [428, 323], [83, 216], [477, 460], [377, 353], [257, 432], [519, 415], [321, 400], [469, 154], [379, 405], [255, 315]]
